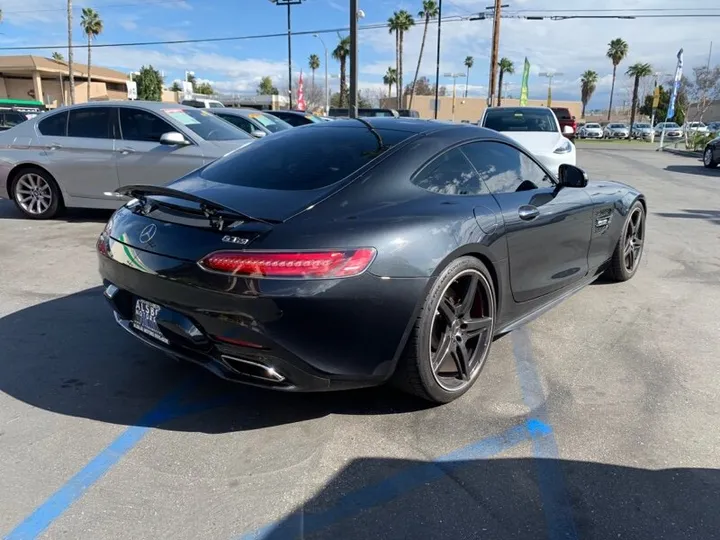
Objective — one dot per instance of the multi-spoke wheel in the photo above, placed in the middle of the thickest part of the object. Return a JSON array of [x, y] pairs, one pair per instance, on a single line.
[[452, 336], [628, 253], [708, 159], [36, 194]]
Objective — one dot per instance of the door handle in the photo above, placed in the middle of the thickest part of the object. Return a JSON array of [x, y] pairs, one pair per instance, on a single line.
[[53, 146], [527, 212], [127, 150]]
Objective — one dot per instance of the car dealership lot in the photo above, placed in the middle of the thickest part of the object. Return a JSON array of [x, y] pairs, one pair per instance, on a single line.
[[597, 420]]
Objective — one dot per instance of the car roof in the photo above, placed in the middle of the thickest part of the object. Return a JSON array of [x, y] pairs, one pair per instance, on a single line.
[[140, 104], [523, 107], [237, 111], [300, 113], [415, 125]]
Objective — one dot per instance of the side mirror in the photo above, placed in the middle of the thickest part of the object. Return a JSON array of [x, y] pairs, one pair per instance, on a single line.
[[258, 134], [572, 176], [173, 138], [568, 130]]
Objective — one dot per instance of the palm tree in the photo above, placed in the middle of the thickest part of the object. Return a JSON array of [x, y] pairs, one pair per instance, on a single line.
[[617, 51], [399, 23], [506, 66], [588, 83], [390, 78], [92, 25], [71, 72], [469, 61], [314, 63], [58, 57], [429, 11], [638, 71], [341, 54]]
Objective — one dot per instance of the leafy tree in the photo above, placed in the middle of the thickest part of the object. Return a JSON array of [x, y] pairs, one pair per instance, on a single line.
[[506, 66], [314, 63], [588, 84], [92, 25], [176, 87], [469, 62], [149, 84], [58, 57], [638, 71], [266, 88], [336, 100], [664, 103], [341, 53], [617, 51], [205, 89], [399, 23], [703, 90], [424, 88], [429, 11], [390, 78]]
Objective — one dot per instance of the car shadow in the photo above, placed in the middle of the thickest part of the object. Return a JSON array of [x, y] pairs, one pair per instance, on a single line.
[[697, 170], [68, 356], [506, 499], [713, 216], [8, 210]]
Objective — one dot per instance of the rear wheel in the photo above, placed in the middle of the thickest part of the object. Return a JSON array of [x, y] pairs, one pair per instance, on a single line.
[[36, 194], [628, 252], [452, 336], [708, 160]]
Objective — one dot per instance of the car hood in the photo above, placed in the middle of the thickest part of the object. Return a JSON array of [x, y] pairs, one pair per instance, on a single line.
[[536, 142], [217, 149], [618, 129]]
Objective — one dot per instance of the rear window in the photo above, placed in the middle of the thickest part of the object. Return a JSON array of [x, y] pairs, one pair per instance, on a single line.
[[563, 114], [54, 125], [301, 159], [272, 123], [521, 119]]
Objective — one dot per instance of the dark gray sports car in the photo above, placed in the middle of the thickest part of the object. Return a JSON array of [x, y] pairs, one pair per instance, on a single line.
[[357, 252]]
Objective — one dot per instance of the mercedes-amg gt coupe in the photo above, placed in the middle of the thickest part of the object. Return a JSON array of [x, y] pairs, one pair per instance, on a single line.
[[353, 253]]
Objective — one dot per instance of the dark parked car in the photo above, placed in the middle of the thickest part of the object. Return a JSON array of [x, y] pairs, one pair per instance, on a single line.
[[396, 253], [711, 154], [408, 113], [252, 121], [295, 118], [10, 119]]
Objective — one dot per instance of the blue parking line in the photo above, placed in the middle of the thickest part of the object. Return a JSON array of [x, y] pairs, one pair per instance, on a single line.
[[302, 523], [167, 409], [553, 493]]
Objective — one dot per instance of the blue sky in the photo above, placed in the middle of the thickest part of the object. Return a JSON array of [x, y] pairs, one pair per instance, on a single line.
[[568, 47]]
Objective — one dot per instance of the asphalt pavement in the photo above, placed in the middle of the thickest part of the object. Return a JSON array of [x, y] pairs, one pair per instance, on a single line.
[[598, 420]]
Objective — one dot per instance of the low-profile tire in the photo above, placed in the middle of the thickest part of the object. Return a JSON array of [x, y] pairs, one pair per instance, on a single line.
[[36, 194], [708, 160], [452, 335], [629, 250]]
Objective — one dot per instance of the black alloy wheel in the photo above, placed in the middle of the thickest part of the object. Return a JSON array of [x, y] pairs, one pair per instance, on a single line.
[[628, 253], [453, 334]]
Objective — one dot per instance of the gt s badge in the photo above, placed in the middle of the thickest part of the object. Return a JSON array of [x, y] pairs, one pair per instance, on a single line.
[[235, 240]]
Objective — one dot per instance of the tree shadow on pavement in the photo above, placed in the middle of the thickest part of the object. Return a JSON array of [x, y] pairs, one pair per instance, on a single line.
[[713, 216], [68, 356], [506, 499], [697, 170]]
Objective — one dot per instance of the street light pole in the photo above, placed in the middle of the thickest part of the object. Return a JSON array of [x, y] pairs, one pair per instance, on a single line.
[[288, 3], [454, 78], [327, 87], [549, 76], [352, 105], [437, 60]]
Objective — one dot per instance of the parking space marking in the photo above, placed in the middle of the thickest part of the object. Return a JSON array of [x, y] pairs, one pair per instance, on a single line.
[[169, 408], [553, 494], [302, 523]]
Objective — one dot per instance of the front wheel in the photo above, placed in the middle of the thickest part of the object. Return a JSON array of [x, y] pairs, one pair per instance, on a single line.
[[452, 335], [708, 160], [629, 250]]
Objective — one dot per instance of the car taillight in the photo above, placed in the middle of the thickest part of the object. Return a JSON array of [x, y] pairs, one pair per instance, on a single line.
[[300, 264]]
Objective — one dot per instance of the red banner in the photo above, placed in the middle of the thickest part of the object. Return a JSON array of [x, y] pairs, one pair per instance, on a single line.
[[301, 95]]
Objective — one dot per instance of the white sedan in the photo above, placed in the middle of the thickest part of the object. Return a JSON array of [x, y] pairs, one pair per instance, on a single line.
[[535, 128]]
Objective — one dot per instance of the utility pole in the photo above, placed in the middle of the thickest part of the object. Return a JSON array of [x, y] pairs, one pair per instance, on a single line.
[[288, 3], [495, 46], [352, 102], [437, 60]]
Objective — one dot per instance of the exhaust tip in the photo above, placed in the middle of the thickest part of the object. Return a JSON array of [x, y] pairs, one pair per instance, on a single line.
[[252, 368]]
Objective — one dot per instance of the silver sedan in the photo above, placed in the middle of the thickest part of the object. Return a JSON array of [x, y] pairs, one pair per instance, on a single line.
[[78, 156]]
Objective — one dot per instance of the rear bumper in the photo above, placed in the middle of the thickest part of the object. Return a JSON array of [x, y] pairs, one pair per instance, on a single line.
[[314, 335]]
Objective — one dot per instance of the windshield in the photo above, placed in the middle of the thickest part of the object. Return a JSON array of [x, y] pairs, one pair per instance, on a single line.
[[215, 104], [521, 120], [697, 124], [272, 123], [206, 125], [593, 126], [669, 125], [617, 126], [642, 125]]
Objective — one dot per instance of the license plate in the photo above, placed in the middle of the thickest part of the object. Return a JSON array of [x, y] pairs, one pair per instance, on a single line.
[[145, 319]]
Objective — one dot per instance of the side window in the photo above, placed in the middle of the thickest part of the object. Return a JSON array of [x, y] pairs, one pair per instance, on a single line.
[[292, 120], [504, 169], [450, 174], [91, 123], [139, 125], [54, 125], [240, 122]]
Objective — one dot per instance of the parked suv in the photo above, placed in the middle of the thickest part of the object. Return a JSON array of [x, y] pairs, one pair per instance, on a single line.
[[565, 119]]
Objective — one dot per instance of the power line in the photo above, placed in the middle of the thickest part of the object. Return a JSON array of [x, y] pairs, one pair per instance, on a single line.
[[375, 26], [99, 6]]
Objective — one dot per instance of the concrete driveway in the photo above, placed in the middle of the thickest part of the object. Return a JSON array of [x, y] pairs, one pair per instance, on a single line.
[[598, 420]]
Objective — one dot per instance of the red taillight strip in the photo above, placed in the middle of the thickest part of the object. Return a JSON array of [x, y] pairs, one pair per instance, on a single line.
[[319, 264]]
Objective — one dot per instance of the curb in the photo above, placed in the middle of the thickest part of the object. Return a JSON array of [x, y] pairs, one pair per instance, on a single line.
[[686, 153]]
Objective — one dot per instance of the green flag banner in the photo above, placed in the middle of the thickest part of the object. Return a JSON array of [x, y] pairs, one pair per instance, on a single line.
[[524, 87]]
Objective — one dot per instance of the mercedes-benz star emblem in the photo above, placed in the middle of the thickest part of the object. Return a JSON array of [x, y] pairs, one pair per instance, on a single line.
[[148, 233]]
